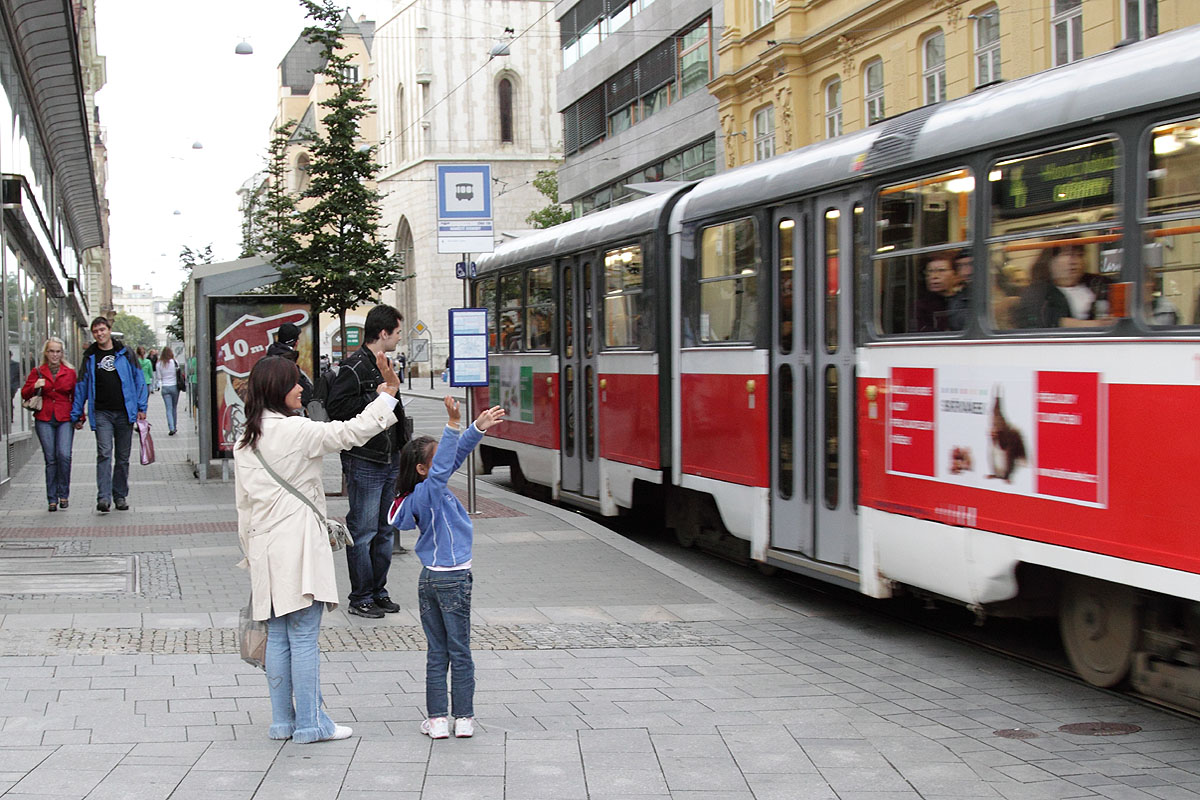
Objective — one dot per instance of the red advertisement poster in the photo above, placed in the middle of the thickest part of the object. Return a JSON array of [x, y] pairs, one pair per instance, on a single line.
[[245, 326], [910, 407], [1068, 436]]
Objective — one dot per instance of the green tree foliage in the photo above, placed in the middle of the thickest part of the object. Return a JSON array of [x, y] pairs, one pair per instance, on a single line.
[[333, 257], [546, 182], [188, 258], [134, 331], [270, 222]]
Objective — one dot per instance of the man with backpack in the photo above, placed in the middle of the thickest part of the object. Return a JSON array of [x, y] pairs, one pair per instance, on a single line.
[[370, 470]]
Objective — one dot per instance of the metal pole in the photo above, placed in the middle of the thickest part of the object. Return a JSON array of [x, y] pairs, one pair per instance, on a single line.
[[469, 408]]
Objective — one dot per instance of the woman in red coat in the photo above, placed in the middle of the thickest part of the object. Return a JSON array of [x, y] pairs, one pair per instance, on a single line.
[[54, 379]]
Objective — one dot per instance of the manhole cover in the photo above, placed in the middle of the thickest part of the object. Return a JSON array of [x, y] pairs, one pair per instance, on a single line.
[[69, 575], [1015, 733], [1100, 728]]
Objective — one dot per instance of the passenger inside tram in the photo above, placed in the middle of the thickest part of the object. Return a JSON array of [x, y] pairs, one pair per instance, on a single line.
[[1063, 292], [943, 304]]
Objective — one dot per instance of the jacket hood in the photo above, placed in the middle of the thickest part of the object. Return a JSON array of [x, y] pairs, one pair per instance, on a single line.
[[280, 349], [400, 514], [118, 346]]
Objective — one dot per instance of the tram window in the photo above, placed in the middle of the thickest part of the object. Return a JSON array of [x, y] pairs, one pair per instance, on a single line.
[[1174, 175], [1056, 280], [1049, 190], [923, 293], [833, 287], [485, 297], [729, 264], [510, 313], [924, 213], [785, 249], [1171, 283], [622, 296], [539, 308]]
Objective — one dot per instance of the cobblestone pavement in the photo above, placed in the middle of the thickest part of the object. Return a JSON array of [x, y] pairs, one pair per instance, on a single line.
[[604, 672]]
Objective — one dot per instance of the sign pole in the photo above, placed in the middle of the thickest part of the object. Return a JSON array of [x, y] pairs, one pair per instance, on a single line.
[[469, 408]]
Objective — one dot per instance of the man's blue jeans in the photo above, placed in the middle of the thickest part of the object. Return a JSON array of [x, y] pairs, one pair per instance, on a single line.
[[445, 599], [294, 675], [114, 434], [370, 487], [171, 399], [56, 439]]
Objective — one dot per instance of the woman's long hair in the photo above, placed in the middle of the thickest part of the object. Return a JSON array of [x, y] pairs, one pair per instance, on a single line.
[[167, 354], [59, 342], [270, 381]]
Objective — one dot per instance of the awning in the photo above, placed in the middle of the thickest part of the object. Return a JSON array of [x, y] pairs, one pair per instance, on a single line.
[[44, 36]]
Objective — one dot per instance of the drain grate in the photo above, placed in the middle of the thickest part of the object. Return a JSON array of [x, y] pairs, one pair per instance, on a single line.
[[1015, 733], [1100, 728], [68, 574], [19, 550]]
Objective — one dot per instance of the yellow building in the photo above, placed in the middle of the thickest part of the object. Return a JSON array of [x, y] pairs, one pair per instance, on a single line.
[[793, 72]]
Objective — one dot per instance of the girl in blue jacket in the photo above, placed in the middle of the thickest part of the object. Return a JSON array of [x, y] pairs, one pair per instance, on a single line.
[[424, 501]]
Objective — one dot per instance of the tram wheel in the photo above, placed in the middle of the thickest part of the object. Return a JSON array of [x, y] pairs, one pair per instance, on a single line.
[[685, 536], [1099, 622]]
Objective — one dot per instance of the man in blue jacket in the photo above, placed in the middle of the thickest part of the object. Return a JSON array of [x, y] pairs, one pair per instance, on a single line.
[[111, 382]]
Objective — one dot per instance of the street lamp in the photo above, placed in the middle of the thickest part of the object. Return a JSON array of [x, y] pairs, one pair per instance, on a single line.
[[244, 49]]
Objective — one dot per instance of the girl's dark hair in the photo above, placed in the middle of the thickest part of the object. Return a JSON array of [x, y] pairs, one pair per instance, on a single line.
[[270, 381], [413, 453]]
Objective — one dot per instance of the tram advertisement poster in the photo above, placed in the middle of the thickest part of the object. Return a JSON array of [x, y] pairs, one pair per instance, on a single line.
[[245, 327], [1009, 430], [511, 386]]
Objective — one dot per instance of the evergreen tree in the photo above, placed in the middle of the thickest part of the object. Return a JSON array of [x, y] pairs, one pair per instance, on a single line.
[[188, 258], [546, 182], [333, 257], [269, 224]]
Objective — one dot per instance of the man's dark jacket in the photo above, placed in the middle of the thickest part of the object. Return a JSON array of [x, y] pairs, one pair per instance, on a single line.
[[306, 385], [352, 390]]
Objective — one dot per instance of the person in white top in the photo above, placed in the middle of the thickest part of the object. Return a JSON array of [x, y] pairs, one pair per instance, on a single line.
[[166, 375]]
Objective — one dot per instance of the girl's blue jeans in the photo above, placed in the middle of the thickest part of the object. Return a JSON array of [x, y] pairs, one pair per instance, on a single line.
[[294, 676], [56, 439], [445, 599]]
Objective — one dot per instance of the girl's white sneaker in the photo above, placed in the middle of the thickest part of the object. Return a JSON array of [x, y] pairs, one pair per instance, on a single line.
[[464, 727], [436, 728]]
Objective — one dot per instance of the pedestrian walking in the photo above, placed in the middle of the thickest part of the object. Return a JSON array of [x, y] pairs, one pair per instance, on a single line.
[[370, 469], [147, 368], [54, 379], [424, 501], [167, 377], [111, 383], [286, 544]]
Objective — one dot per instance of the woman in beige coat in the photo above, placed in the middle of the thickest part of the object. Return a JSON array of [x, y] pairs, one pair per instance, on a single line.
[[286, 545]]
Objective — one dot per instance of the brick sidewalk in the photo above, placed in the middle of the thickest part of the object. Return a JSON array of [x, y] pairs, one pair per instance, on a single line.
[[604, 672]]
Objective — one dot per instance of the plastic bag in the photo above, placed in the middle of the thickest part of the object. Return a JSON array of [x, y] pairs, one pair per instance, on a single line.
[[252, 638], [143, 429]]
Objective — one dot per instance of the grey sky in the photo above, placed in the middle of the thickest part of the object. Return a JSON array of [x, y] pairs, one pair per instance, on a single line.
[[173, 79]]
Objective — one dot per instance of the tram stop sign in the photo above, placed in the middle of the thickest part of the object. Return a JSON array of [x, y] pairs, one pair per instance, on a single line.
[[418, 351]]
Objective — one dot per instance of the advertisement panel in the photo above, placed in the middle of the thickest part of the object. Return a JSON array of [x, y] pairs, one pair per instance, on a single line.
[[245, 327], [1014, 430]]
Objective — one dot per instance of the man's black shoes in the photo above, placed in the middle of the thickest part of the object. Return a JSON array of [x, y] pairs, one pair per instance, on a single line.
[[102, 507], [386, 605], [368, 610]]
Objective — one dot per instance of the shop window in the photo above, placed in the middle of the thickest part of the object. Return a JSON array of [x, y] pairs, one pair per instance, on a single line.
[[729, 267]]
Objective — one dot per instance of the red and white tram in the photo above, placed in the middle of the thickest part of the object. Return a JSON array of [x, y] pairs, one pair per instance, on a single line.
[[955, 353]]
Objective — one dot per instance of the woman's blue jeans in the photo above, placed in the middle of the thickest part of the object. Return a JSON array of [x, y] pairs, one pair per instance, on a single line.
[[171, 400], [294, 676], [56, 439], [445, 599]]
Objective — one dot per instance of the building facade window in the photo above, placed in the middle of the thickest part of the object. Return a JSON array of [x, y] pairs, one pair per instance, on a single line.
[[1067, 23], [764, 133], [933, 53], [1141, 19], [401, 155], [350, 73], [695, 58], [987, 46], [692, 163], [833, 109], [504, 96], [764, 11], [873, 91]]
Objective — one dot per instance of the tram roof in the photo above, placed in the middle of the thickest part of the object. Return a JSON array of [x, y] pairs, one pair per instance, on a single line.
[[1145, 74], [620, 222]]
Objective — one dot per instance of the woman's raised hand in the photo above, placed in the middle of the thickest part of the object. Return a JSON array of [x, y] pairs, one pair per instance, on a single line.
[[489, 417]]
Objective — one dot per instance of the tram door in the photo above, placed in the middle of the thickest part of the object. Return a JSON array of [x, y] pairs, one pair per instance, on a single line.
[[813, 496], [577, 377], [791, 379]]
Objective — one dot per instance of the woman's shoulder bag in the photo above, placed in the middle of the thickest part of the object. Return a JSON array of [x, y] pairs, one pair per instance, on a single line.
[[339, 536]]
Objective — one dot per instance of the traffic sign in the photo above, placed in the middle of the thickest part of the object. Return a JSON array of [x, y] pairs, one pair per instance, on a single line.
[[418, 350], [464, 208], [419, 328], [462, 270]]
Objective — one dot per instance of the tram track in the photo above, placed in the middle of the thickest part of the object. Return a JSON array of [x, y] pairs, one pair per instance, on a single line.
[[1032, 642]]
